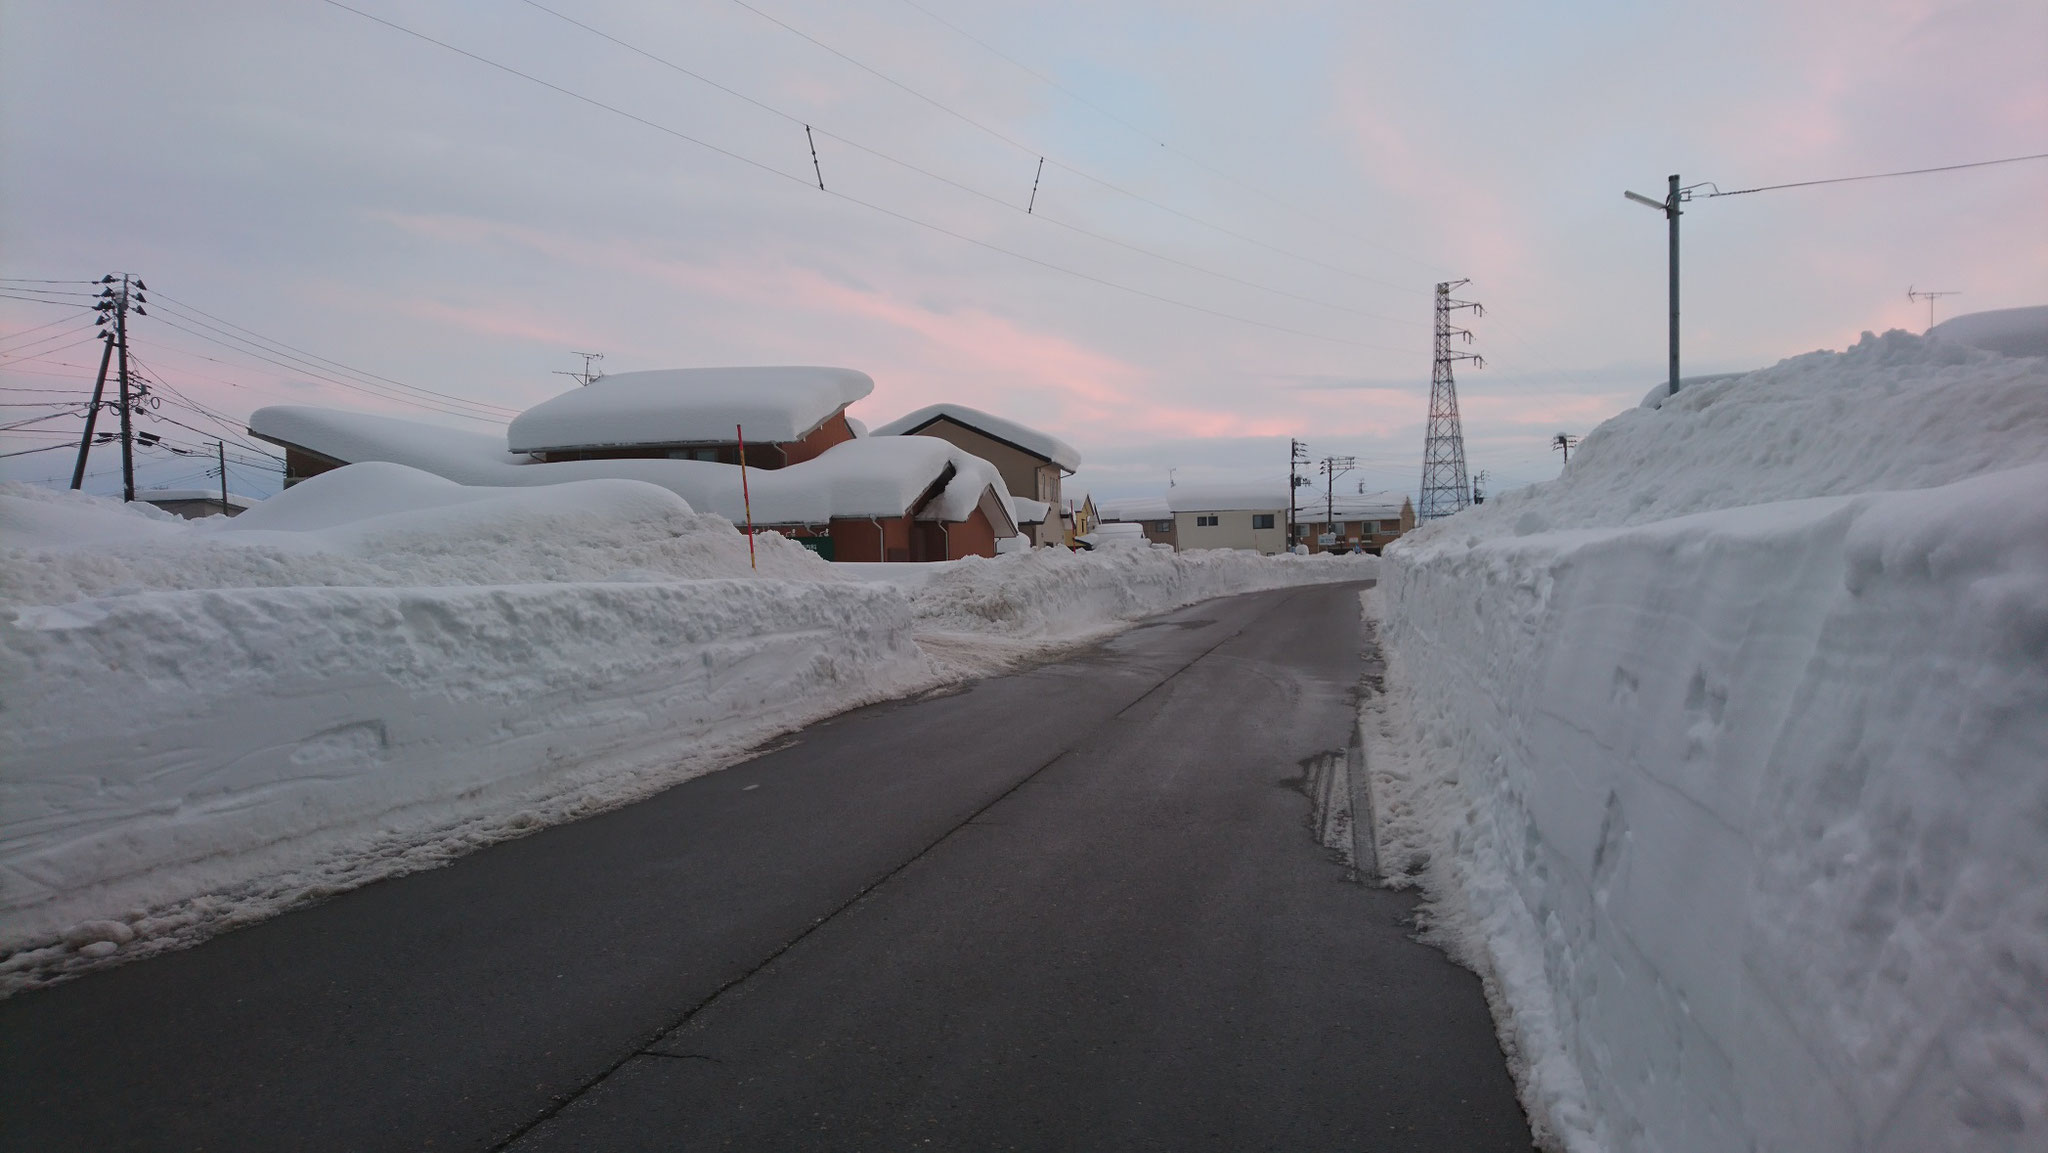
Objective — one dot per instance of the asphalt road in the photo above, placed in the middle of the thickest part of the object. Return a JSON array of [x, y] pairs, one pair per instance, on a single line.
[[1078, 907]]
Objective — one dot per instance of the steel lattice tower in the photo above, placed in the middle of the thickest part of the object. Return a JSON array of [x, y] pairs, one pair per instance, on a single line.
[[1445, 489]]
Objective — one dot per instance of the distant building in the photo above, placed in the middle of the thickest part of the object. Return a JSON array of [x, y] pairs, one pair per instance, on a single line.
[[1253, 519], [1031, 462], [1354, 522], [194, 503], [1149, 513], [846, 497]]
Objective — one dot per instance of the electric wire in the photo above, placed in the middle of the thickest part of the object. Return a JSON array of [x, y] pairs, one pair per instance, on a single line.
[[911, 220], [972, 191], [1873, 176]]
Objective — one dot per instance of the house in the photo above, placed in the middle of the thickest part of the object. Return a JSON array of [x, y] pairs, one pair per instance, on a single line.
[[1151, 514], [1081, 519], [847, 497], [1242, 518], [1031, 462], [193, 503], [1354, 522]]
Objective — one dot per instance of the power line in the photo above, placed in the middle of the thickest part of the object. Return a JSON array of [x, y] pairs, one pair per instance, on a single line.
[[1875, 176], [925, 172], [182, 307], [40, 327], [1055, 161], [1183, 154], [595, 103]]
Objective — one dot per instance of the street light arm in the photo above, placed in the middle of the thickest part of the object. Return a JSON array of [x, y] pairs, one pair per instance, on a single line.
[[1641, 199]]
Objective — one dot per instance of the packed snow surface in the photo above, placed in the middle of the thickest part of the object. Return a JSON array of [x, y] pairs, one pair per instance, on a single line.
[[1721, 756], [205, 722], [1041, 444], [878, 477], [689, 406]]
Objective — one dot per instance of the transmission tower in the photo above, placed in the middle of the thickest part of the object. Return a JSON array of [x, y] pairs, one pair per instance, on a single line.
[[1445, 489]]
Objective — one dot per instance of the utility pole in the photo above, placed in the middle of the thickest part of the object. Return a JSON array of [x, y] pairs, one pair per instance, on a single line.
[[1478, 492], [117, 303], [1669, 207], [1444, 488], [92, 413], [1297, 455], [1930, 298], [586, 377], [1334, 467], [221, 448]]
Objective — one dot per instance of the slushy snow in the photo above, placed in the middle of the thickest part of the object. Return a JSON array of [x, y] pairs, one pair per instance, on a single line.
[[1721, 758], [207, 722]]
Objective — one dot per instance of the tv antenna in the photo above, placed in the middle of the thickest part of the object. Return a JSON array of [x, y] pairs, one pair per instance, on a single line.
[[588, 375], [1930, 298]]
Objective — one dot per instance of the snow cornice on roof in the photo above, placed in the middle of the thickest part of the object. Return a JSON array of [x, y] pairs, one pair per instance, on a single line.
[[680, 406], [1024, 439]]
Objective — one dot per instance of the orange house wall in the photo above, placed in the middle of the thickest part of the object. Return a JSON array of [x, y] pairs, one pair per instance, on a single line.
[[835, 430]]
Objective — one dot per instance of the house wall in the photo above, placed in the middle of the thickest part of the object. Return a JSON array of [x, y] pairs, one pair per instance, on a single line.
[[300, 464], [1023, 474], [833, 431], [974, 536], [1161, 532], [1233, 529], [762, 455]]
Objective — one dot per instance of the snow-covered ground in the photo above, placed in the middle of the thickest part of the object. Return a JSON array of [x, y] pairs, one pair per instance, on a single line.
[[206, 722], [1721, 758]]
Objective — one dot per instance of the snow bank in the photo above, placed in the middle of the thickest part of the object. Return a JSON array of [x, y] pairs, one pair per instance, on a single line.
[[1721, 759], [205, 722]]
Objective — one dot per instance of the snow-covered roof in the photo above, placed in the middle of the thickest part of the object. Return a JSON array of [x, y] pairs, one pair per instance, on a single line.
[[1315, 509], [2006, 331], [1039, 444], [869, 477], [1187, 498], [1030, 511], [688, 406], [1133, 508], [153, 495]]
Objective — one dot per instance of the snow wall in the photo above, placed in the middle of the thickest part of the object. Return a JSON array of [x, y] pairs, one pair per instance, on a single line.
[[1743, 814], [203, 723]]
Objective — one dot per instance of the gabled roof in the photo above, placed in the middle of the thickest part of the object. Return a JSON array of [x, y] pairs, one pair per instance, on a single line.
[[1042, 445], [1186, 498], [688, 406], [880, 477]]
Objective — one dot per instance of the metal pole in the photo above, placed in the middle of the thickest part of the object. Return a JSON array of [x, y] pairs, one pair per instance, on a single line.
[[1671, 213], [1293, 454], [127, 424], [92, 415], [221, 446]]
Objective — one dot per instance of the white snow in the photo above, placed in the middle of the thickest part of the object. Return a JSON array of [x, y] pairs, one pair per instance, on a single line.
[[1117, 534], [1133, 508], [1040, 444], [1720, 757], [1188, 498], [2007, 331], [867, 477], [689, 405], [1030, 511], [209, 721]]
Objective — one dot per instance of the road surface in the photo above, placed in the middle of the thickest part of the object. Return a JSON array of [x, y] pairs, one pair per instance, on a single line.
[[1077, 907]]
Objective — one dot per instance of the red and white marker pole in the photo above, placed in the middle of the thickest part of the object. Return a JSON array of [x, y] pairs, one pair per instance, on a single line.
[[746, 501]]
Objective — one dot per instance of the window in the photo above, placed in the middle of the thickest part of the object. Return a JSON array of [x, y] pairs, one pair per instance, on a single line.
[[1165, 526], [1205, 520], [1262, 520]]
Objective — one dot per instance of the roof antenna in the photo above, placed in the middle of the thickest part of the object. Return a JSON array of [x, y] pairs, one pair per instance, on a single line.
[[1930, 298], [587, 377]]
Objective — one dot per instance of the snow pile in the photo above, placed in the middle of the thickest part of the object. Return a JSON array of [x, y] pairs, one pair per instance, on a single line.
[[689, 406], [205, 722], [1721, 759]]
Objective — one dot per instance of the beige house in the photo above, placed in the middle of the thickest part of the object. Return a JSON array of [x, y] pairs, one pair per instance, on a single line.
[[1354, 522], [1031, 462], [1251, 519]]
